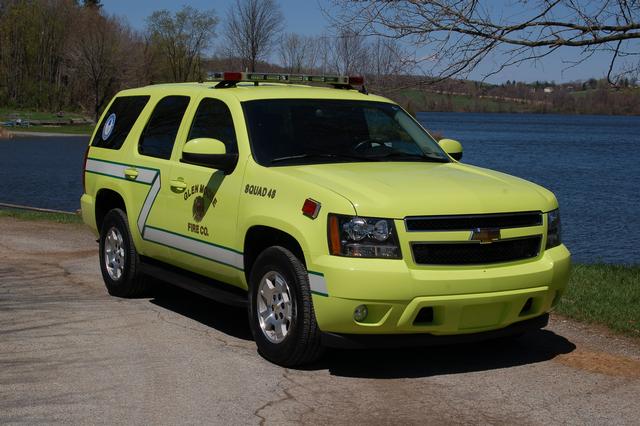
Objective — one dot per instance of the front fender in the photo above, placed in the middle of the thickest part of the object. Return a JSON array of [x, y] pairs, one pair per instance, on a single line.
[[273, 199]]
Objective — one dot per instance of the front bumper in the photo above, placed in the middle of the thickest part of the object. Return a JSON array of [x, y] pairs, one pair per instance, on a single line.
[[361, 341], [437, 301]]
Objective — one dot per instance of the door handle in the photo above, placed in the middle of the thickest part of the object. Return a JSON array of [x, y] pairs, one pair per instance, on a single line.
[[131, 174], [178, 185]]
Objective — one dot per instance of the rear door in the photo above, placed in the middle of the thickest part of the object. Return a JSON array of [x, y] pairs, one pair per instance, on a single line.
[[153, 164]]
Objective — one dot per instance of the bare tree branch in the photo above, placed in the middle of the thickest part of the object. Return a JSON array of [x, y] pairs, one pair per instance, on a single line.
[[611, 64], [297, 53], [182, 38], [251, 29], [461, 33]]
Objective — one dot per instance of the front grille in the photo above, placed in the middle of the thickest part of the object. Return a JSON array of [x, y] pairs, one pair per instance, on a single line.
[[469, 222], [474, 253]]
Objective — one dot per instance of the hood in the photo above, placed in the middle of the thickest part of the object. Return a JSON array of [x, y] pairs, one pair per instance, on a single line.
[[399, 189]]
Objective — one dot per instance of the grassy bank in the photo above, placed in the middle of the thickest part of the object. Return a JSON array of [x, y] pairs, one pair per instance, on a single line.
[[7, 113], [604, 294], [10, 114], [429, 101], [599, 101], [75, 129], [34, 215]]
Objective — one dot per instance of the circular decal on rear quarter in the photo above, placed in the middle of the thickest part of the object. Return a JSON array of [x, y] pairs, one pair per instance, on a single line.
[[107, 129]]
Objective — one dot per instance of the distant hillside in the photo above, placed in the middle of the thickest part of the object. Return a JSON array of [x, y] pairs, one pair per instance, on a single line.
[[592, 97]]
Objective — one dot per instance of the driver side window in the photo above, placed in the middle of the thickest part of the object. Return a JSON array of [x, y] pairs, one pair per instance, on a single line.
[[213, 120]]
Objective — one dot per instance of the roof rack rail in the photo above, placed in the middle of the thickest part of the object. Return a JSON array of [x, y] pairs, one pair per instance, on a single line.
[[231, 79]]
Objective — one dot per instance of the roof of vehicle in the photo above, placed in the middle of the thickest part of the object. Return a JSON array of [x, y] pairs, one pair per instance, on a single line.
[[248, 91]]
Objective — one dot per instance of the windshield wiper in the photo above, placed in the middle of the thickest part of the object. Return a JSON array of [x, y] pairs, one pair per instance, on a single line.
[[409, 156], [320, 155]]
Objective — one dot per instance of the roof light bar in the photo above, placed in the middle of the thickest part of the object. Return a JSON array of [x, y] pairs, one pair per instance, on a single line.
[[234, 77]]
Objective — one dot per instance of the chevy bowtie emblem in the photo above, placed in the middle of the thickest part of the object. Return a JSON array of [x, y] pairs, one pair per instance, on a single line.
[[485, 235]]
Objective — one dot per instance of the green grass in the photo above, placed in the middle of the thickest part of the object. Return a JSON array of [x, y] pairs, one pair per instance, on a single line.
[[32, 215], [604, 294], [429, 101], [76, 129], [10, 113]]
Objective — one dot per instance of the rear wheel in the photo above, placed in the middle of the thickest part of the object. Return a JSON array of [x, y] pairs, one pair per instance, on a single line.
[[281, 312], [119, 260]]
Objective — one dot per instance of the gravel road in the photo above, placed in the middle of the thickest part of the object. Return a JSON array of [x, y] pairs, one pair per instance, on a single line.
[[70, 353]]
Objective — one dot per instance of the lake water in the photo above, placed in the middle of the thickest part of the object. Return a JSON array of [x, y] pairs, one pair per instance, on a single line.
[[42, 171], [589, 162]]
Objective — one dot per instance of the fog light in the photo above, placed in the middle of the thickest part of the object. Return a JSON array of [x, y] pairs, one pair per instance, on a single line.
[[360, 314]]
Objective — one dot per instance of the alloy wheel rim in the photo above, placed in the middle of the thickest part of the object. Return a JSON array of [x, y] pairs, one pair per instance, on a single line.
[[114, 256], [275, 307]]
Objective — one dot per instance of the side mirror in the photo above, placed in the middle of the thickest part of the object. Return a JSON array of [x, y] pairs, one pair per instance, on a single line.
[[451, 147], [209, 152]]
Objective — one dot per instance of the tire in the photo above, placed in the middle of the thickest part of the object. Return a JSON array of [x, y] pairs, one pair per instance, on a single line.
[[119, 260], [300, 342]]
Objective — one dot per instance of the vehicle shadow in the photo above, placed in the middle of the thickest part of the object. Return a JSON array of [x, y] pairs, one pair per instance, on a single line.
[[531, 348], [229, 320]]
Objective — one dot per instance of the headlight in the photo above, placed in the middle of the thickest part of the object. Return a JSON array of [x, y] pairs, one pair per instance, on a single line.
[[356, 236], [553, 229]]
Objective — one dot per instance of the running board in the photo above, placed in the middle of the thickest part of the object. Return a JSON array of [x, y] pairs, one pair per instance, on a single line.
[[207, 287]]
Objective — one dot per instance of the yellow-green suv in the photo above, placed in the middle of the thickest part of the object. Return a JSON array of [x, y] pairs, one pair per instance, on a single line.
[[329, 212]]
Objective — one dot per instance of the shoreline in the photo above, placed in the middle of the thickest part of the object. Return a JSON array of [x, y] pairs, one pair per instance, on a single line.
[[8, 133], [46, 134]]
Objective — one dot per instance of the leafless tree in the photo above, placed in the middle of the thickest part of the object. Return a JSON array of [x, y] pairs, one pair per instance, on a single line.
[[97, 55], [462, 33], [297, 53], [182, 38], [321, 53], [252, 27], [386, 59], [349, 53]]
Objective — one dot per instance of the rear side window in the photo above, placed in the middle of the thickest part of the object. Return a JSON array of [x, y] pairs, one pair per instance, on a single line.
[[118, 121], [213, 120], [160, 133]]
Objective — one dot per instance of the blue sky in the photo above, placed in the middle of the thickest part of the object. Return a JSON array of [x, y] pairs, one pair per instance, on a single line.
[[305, 17]]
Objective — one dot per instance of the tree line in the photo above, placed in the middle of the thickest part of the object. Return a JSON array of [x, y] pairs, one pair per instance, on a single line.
[[71, 55], [577, 97]]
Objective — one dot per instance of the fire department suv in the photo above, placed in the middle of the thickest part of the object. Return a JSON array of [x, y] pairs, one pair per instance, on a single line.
[[331, 214]]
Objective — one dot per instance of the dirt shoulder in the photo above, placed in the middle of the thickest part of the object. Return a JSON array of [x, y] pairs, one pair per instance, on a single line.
[[71, 353]]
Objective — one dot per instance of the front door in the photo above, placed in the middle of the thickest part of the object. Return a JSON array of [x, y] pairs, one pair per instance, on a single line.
[[204, 202]]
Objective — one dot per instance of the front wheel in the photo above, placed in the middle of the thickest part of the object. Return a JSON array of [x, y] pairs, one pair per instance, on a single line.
[[281, 312]]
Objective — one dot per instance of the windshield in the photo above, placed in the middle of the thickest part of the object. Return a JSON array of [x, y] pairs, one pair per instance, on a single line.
[[311, 131]]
